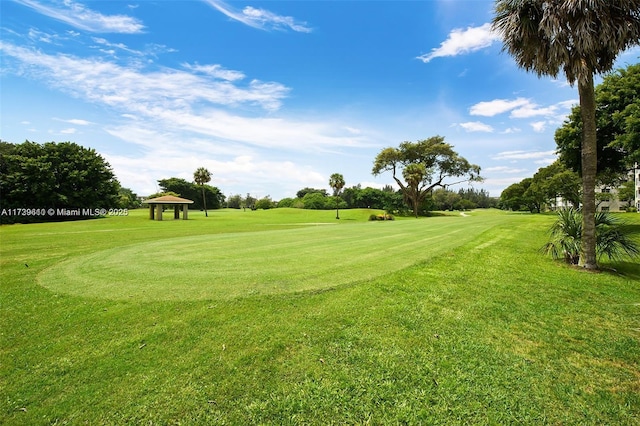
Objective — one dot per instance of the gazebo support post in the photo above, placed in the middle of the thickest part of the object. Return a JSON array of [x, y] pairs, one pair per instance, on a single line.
[[151, 215], [176, 212], [158, 211], [185, 209]]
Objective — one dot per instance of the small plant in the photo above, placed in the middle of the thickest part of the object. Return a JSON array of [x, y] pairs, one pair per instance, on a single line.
[[381, 217], [612, 237]]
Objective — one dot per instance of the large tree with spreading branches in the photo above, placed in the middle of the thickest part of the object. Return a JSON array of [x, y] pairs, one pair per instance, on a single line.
[[419, 167]]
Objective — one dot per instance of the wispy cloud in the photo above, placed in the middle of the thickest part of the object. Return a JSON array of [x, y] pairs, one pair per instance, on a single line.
[[503, 169], [111, 84], [522, 108], [462, 41], [76, 121], [476, 126], [177, 100], [216, 71], [523, 155], [539, 126], [260, 18], [79, 16], [497, 106]]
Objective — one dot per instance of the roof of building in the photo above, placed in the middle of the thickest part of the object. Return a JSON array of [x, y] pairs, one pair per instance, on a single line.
[[168, 199]]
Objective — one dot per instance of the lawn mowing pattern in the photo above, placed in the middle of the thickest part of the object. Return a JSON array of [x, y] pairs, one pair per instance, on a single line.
[[232, 265]]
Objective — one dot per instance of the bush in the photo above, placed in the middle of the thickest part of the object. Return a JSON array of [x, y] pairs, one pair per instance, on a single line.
[[613, 239], [381, 217]]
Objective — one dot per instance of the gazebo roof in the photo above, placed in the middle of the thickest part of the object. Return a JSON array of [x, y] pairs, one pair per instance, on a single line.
[[168, 199]]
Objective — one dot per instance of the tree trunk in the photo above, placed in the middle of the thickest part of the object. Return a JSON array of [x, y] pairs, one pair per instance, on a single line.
[[589, 169], [204, 203]]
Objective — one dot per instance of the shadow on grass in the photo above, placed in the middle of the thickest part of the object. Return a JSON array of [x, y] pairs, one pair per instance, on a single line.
[[627, 269]]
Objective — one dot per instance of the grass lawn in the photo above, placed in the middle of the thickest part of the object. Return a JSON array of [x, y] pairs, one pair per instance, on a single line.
[[290, 316]]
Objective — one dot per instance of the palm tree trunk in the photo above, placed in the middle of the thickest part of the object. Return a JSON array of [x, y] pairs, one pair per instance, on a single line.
[[204, 202], [589, 169]]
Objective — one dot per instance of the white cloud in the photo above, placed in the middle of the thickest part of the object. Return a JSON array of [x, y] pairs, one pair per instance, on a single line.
[[76, 121], [524, 108], [497, 106], [511, 130], [78, 16], [523, 155], [461, 41], [216, 71], [260, 18], [539, 126], [108, 83], [192, 114], [503, 169], [476, 126]]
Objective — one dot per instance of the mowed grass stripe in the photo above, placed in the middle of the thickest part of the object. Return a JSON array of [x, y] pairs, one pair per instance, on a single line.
[[224, 266]]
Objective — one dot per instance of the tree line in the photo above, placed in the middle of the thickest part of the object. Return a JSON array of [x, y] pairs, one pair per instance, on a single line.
[[617, 116]]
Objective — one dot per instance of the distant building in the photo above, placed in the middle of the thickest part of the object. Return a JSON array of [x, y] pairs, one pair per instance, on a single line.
[[607, 197]]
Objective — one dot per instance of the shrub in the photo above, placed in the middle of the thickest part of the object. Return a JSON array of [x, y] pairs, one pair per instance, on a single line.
[[381, 217], [613, 239]]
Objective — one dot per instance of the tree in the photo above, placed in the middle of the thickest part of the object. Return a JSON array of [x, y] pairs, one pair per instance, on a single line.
[[626, 192], [617, 126], [336, 182], [581, 38], [234, 201], [314, 201], [613, 237], [264, 203], [424, 165], [214, 198], [200, 177], [300, 194], [54, 176]]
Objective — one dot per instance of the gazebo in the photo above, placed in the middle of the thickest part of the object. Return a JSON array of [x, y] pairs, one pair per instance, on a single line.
[[157, 204]]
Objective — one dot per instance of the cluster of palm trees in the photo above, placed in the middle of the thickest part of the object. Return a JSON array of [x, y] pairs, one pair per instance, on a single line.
[[579, 38]]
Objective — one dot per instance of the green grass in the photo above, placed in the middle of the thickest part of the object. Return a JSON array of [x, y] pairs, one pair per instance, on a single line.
[[272, 318]]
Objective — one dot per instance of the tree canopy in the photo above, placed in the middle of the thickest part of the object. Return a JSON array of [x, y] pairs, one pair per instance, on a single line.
[[54, 176], [190, 190], [424, 165], [617, 126]]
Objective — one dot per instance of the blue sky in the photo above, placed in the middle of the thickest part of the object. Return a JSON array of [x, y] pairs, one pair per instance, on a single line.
[[273, 96]]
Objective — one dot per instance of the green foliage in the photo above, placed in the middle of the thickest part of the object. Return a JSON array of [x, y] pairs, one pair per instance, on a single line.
[[264, 203], [202, 176], [381, 216], [235, 201], [548, 183], [286, 202], [61, 175], [617, 125], [315, 201], [300, 194], [192, 191], [424, 165], [613, 239], [127, 199]]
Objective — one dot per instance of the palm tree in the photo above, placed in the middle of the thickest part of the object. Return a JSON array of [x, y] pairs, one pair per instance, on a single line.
[[613, 237], [580, 38], [202, 176], [336, 181]]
